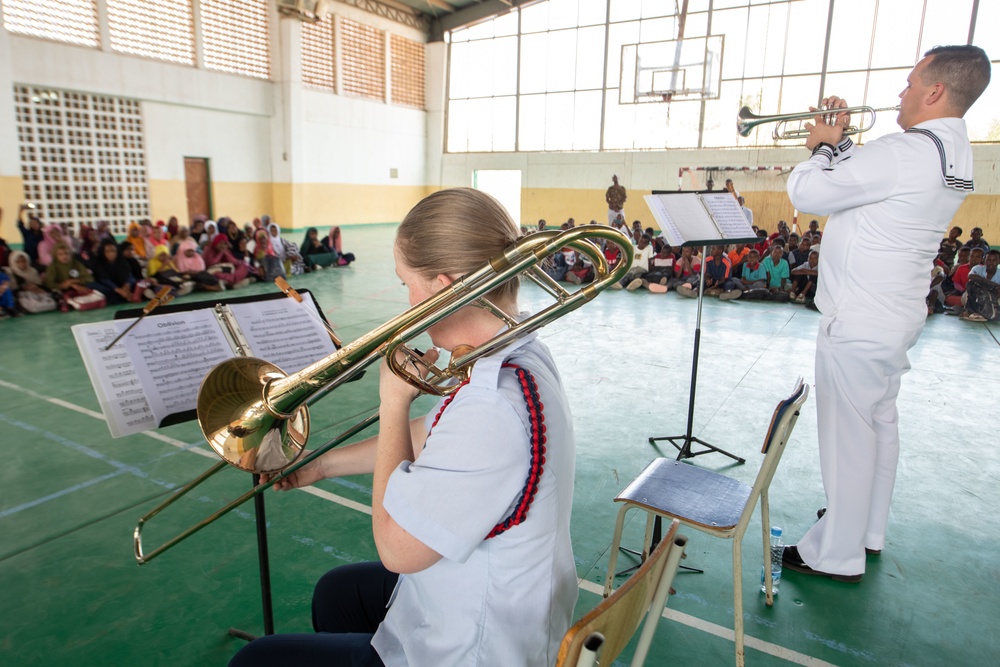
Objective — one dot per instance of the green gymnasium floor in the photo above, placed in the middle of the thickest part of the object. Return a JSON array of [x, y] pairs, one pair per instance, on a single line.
[[73, 595]]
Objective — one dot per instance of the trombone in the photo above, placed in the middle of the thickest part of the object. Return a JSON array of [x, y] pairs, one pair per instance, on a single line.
[[747, 121], [256, 417]]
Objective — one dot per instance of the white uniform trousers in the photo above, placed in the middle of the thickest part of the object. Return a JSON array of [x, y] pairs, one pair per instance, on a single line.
[[858, 370]]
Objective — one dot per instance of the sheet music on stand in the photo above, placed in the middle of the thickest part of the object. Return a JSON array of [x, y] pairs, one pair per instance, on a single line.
[[700, 218], [151, 377]]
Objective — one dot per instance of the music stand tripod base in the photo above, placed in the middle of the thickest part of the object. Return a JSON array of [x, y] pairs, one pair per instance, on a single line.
[[684, 451]]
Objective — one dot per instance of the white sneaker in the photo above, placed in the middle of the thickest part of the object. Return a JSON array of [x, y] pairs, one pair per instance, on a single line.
[[634, 285], [240, 284], [186, 288], [689, 292], [149, 293], [731, 294]]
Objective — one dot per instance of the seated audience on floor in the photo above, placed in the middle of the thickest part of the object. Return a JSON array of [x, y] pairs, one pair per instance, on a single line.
[[976, 239], [580, 271], [8, 307], [29, 288], [31, 234], [333, 242], [804, 279], [191, 265], [197, 228], [661, 270], [778, 273], [640, 265], [158, 234], [142, 251], [315, 254], [950, 246], [687, 268], [541, 225], [208, 234], [71, 281], [762, 244], [220, 262], [113, 275], [127, 251], [737, 256], [163, 272], [718, 277], [53, 236], [753, 277], [814, 228], [181, 234], [982, 294], [967, 258], [264, 256], [799, 254]]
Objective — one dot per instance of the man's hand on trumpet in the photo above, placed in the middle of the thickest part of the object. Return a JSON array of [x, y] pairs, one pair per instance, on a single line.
[[828, 127]]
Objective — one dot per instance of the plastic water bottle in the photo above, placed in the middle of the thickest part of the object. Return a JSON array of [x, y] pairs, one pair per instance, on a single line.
[[777, 549]]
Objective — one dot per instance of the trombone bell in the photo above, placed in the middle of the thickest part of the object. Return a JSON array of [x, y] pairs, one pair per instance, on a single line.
[[236, 420]]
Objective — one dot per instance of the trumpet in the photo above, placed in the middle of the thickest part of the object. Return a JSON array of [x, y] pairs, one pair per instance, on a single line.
[[747, 120], [256, 418]]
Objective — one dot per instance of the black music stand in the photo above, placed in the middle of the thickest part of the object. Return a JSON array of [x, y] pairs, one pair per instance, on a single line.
[[728, 231], [684, 450]]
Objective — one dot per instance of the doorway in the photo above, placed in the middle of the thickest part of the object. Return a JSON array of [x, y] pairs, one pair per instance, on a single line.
[[197, 180], [504, 185]]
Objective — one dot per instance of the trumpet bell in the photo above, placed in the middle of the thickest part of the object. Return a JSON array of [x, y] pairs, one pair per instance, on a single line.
[[230, 398]]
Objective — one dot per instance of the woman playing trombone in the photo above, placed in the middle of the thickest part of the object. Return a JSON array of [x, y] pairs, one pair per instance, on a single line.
[[470, 504]]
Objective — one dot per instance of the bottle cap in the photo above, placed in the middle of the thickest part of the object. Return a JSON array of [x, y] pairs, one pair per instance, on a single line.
[[776, 531]]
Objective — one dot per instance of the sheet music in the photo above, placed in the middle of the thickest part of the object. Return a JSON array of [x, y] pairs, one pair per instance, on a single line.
[[689, 216], [172, 354], [116, 383], [728, 215], [662, 216], [284, 332]]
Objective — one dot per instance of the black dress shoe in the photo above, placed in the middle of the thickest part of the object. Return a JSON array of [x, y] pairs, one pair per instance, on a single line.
[[790, 559], [871, 552]]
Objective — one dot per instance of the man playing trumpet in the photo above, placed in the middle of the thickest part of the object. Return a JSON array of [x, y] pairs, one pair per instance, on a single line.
[[904, 186]]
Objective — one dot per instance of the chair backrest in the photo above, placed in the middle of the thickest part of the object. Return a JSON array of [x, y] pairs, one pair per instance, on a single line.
[[608, 628], [786, 413]]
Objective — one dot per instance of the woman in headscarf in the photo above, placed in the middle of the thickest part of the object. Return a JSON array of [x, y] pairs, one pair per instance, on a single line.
[[29, 288], [113, 274], [140, 251], [53, 236], [207, 235], [314, 253], [332, 242], [158, 234], [265, 257], [191, 266], [127, 252], [68, 275], [89, 245], [162, 271], [172, 227], [233, 234], [226, 267], [175, 240]]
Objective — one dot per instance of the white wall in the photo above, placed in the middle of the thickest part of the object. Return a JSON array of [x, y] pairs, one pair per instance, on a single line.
[[353, 140]]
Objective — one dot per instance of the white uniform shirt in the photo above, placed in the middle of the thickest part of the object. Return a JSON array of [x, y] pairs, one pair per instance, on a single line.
[[890, 202], [507, 600]]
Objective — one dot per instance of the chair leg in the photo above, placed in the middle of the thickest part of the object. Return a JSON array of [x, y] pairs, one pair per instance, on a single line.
[[738, 600], [609, 582], [765, 521], [647, 543]]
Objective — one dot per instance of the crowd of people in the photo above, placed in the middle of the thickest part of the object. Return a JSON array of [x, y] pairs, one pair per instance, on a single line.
[[60, 268], [782, 266]]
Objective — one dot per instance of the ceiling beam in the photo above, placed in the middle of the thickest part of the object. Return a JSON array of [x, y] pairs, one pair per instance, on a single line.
[[473, 14]]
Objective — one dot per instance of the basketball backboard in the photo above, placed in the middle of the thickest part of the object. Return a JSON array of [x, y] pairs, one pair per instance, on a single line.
[[672, 71]]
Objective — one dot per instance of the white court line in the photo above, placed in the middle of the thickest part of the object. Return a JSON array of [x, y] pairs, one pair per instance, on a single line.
[[589, 586]]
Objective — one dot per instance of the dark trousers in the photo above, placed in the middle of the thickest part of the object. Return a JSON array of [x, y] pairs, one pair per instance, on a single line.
[[349, 603]]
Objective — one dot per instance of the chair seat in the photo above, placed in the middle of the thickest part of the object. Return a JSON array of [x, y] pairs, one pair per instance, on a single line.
[[696, 496]]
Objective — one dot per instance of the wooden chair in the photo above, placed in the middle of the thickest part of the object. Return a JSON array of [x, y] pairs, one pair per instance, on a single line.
[[712, 503], [607, 629]]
